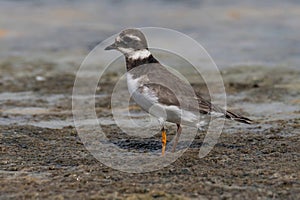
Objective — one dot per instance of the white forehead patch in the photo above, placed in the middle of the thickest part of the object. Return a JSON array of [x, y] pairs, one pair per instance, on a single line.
[[118, 39]]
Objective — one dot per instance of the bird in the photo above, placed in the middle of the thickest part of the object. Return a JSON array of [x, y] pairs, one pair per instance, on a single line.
[[160, 92]]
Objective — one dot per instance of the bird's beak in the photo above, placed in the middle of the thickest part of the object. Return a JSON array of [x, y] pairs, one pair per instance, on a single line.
[[112, 46]]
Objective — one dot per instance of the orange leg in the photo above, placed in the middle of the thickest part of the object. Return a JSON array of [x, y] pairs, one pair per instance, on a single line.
[[163, 140], [177, 137]]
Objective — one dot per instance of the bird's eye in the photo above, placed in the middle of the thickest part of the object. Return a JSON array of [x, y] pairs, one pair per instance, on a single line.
[[127, 39]]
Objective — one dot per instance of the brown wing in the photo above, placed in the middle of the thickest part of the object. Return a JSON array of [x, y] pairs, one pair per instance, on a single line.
[[165, 83], [165, 95]]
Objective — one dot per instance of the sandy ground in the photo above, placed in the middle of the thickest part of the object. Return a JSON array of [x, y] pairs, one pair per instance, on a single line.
[[48, 160]]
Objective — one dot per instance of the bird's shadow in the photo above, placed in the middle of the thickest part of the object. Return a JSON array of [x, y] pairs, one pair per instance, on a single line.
[[153, 143]]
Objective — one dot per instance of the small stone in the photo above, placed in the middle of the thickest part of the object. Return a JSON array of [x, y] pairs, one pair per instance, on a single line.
[[40, 78]]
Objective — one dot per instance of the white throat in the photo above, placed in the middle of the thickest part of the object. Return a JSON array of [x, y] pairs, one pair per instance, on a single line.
[[135, 55], [139, 55]]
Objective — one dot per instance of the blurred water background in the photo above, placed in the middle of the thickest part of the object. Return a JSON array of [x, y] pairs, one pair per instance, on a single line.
[[233, 32]]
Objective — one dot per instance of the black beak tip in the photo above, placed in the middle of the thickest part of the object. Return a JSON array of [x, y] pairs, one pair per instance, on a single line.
[[110, 47]]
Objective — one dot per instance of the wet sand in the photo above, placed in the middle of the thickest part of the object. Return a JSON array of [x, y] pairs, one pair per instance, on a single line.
[[42, 155], [42, 46]]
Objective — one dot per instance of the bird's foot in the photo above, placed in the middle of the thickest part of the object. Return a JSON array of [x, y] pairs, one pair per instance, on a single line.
[[163, 141]]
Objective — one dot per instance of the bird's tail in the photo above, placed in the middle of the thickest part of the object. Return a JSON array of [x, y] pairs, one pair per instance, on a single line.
[[207, 107], [237, 117]]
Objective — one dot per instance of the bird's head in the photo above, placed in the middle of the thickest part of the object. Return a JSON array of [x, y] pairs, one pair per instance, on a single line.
[[129, 42]]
